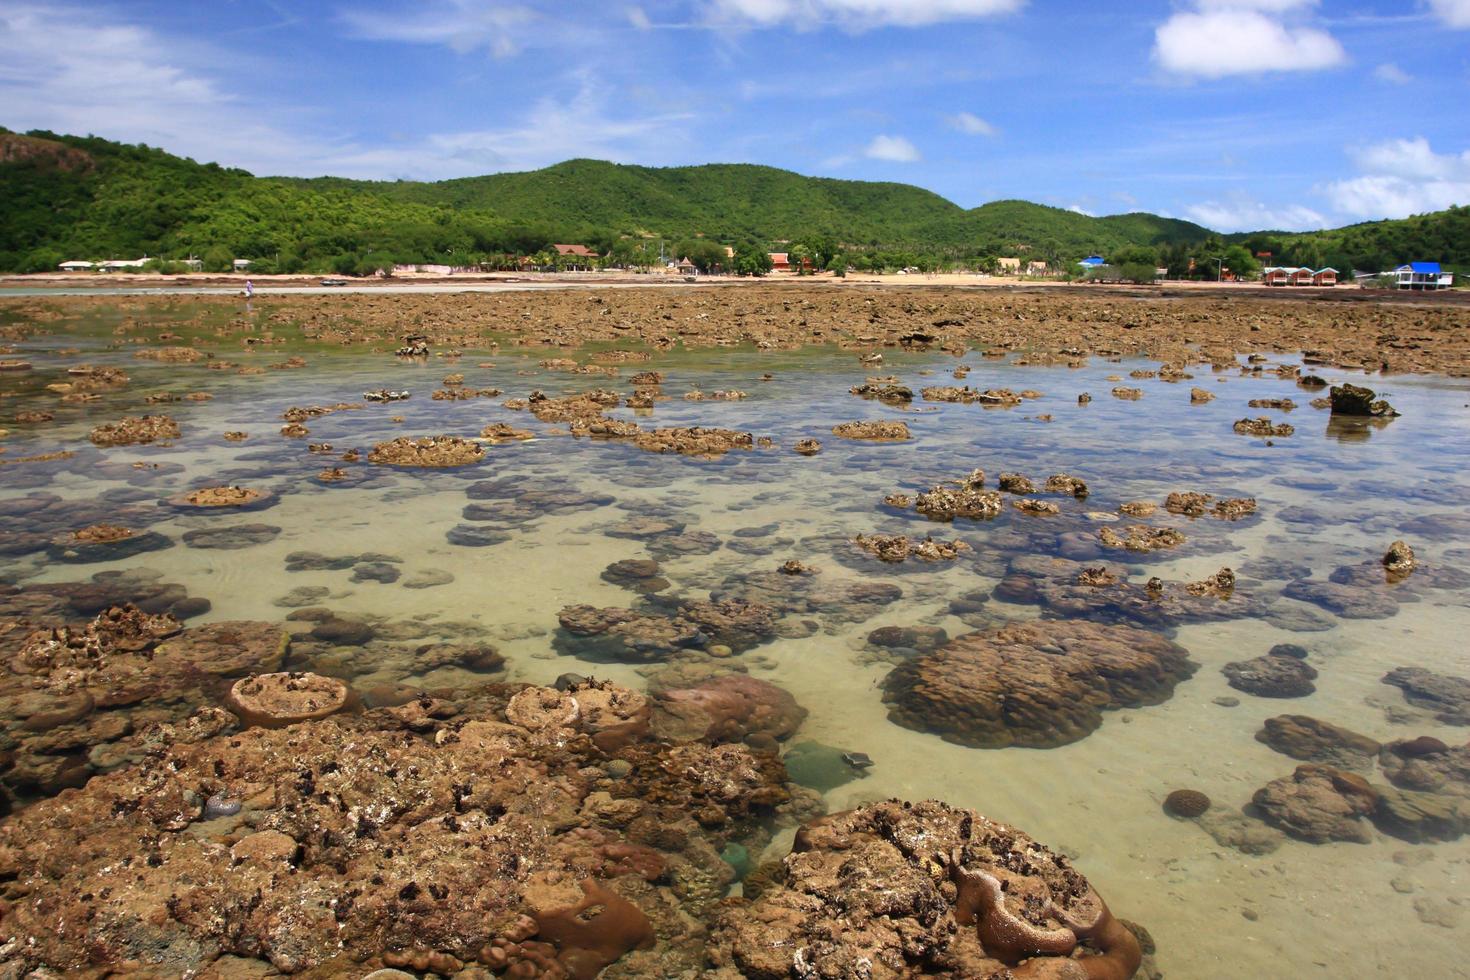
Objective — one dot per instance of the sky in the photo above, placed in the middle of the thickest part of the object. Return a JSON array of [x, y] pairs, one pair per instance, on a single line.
[[1237, 114]]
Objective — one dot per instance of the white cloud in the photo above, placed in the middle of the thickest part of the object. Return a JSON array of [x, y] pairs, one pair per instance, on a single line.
[[1241, 213], [1243, 37], [462, 25], [971, 124], [1402, 177], [639, 19], [857, 14], [1392, 73], [894, 149], [1079, 209], [1455, 13], [72, 70]]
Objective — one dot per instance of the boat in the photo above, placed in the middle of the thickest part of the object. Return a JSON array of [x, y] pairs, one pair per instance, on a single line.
[[334, 282]]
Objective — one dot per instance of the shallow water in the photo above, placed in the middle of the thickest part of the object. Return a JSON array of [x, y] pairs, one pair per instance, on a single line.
[[1328, 496]]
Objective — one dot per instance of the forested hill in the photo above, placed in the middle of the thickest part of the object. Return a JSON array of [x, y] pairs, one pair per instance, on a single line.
[[67, 197]]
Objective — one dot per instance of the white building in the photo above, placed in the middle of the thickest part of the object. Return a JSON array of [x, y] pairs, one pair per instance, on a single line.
[[1422, 275]]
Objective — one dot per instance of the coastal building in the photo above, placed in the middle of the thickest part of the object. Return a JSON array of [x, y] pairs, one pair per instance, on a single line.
[[780, 261], [1035, 268], [117, 265], [241, 265], [1005, 265], [577, 258], [1092, 262], [1422, 275], [1291, 275], [76, 265], [686, 268]]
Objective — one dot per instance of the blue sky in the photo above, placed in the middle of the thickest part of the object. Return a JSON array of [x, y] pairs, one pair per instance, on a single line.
[[1234, 113]]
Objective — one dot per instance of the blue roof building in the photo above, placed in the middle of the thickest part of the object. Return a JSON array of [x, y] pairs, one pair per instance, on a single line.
[[1092, 261], [1422, 275]]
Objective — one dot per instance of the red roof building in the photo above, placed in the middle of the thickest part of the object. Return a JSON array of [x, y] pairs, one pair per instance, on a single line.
[[579, 250]]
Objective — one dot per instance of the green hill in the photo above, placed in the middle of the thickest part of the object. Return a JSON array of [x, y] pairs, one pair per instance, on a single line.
[[65, 197]]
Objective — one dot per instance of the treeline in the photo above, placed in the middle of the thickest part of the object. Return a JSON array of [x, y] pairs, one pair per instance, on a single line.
[[65, 197]]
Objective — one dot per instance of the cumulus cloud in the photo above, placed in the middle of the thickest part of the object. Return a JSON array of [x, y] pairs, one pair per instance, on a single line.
[[1242, 213], [1402, 177], [857, 14], [970, 124], [1244, 37], [894, 149], [1455, 13]]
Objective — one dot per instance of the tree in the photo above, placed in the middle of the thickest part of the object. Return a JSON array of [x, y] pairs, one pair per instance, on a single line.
[[752, 259], [217, 258]]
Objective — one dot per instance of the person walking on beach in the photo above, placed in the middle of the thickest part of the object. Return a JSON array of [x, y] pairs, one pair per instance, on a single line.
[[249, 289]]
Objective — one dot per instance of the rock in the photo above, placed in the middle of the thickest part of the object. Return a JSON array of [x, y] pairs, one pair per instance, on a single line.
[[389, 838], [1445, 695], [1350, 399], [807, 447], [375, 571], [1311, 740], [896, 889], [886, 431], [209, 498], [428, 578], [427, 452], [1318, 804], [1399, 561], [1271, 677], [1039, 684], [281, 699], [476, 536], [1421, 817], [136, 431], [819, 767], [726, 707], [946, 504], [896, 548], [696, 441], [303, 595], [1346, 601], [343, 632], [104, 542], [231, 538], [1238, 832]]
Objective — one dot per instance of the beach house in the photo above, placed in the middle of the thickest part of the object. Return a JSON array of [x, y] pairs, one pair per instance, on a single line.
[[1422, 275]]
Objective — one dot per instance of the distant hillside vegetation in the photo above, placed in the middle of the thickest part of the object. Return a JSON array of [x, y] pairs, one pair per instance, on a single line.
[[69, 197]]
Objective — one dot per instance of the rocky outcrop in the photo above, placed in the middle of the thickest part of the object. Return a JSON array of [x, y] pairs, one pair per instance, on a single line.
[[1351, 399], [1271, 676], [433, 836], [872, 431], [1039, 684], [434, 452], [1312, 740], [896, 890]]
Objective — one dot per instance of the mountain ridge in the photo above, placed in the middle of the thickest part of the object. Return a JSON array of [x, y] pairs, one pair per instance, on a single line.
[[87, 197]]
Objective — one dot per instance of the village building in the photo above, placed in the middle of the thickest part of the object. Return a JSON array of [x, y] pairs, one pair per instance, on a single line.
[[1290, 275], [76, 265], [576, 258], [780, 261], [1036, 268], [686, 267], [1008, 265]]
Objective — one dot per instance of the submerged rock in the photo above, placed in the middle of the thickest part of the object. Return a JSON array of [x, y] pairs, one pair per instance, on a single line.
[[1319, 804], [1312, 740], [1445, 695], [1039, 684], [1272, 676]]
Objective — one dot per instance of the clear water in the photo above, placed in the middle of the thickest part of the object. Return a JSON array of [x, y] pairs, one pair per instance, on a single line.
[[1327, 498]]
